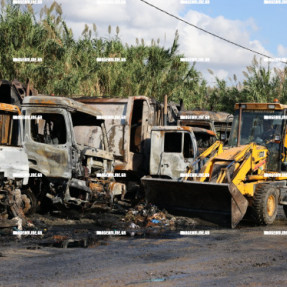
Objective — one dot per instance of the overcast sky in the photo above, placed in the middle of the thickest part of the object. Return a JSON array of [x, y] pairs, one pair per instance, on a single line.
[[248, 22]]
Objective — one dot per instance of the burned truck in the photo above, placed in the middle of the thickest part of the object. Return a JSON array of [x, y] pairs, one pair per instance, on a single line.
[[15, 197], [129, 122], [217, 122], [67, 148]]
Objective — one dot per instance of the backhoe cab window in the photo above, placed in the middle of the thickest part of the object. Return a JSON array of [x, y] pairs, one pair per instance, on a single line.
[[261, 127], [50, 129]]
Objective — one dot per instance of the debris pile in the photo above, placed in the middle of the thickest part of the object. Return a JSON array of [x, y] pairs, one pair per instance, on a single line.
[[149, 216], [11, 203]]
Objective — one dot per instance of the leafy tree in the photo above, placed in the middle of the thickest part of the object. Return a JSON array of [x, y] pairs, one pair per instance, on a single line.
[[70, 66]]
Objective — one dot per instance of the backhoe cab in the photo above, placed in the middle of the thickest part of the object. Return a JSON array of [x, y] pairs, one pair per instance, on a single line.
[[253, 163], [248, 172]]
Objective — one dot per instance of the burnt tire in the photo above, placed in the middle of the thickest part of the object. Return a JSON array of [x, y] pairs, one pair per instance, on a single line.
[[265, 203], [29, 201]]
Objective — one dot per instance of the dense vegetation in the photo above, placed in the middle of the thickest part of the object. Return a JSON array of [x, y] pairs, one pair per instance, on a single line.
[[70, 66]]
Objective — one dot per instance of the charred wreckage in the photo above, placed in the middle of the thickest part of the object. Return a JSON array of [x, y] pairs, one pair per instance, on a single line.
[[64, 153]]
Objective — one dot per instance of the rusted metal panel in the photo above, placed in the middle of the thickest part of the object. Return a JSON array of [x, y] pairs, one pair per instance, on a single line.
[[173, 128], [116, 127], [204, 131], [218, 122], [88, 136], [9, 108], [42, 100], [5, 126], [212, 116]]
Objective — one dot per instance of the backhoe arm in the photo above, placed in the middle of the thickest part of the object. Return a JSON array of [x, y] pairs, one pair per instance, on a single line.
[[212, 151]]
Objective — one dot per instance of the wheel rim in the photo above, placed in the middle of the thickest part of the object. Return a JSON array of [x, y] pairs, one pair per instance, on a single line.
[[271, 205]]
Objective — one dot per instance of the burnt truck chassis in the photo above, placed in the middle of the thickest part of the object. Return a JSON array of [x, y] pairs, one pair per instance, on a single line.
[[67, 147]]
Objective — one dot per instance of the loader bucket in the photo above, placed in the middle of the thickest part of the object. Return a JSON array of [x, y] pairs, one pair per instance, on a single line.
[[222, 204]]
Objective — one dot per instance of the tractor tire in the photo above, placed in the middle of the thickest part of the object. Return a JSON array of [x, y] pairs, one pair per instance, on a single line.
[[29, 201], [265, 203]]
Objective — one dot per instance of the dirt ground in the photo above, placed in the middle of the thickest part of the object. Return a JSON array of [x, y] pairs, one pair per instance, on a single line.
[[70, 253]]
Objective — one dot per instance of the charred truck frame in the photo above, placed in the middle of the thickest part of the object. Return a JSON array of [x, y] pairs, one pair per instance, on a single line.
[[129, 134], [129, 122], [67, 145]]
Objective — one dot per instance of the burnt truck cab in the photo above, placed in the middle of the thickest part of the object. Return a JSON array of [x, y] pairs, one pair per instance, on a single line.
[[218, 122], [14, 167], [173, 150], [67, 145]]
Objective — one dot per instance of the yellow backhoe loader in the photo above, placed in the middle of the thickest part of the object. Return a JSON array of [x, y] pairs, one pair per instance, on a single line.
[[251, 171]]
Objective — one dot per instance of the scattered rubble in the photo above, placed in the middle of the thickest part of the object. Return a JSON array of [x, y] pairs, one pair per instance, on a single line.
[[149, 216]]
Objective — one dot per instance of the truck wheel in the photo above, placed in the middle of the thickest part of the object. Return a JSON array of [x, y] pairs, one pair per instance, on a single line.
[[29, 201], [265, 203]]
